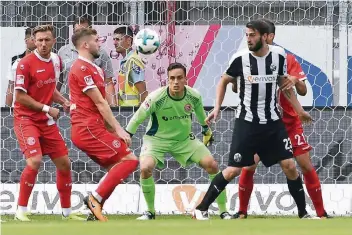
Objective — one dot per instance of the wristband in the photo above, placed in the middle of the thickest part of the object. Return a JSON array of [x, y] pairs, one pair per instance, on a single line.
[[46, 108]]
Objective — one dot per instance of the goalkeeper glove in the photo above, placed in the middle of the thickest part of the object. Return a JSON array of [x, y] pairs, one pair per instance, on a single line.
[[207, 136]]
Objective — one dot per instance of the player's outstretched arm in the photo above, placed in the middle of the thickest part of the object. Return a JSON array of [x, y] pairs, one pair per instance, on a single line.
[[105, 111], [220, 94], [143, 112], [9, 93]]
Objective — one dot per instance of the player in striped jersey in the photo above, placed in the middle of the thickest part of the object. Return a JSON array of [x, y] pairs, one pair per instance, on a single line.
[[258, 126], [295, 131]]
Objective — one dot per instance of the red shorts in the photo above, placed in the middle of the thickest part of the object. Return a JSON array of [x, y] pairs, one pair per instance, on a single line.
[[100, 145], [38, 139], [298, 140]]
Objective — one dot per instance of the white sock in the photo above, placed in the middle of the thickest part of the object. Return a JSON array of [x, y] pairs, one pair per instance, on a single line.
[[66, 211], [22, 209], [97, 196]]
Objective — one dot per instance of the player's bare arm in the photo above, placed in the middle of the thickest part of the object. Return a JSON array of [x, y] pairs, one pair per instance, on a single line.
[[110, 92], [234, 85], [23, 98], [291, 97], [9, 93], [142, 90], [301, 88], [58, 98], [220, 94], [104, 109]]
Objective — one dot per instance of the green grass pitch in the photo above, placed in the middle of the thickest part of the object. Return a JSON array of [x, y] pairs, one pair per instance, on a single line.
[[177, 225]]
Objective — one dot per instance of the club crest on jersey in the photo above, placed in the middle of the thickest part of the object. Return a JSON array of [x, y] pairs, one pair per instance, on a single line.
[[147, 104], [21, 67], [19, 79], [136, 68], [188, 108], [116, 144], [30, 141], [272, 67], [89, 80], [83, 68]]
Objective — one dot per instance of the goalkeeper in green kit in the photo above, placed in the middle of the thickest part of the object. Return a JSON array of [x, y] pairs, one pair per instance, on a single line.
[[170, 110]]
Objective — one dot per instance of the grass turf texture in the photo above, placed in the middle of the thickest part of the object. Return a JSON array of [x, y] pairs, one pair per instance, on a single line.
[[177, 225]]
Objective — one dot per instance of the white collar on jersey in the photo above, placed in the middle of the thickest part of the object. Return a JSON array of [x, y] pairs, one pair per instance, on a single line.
[[41, 58]]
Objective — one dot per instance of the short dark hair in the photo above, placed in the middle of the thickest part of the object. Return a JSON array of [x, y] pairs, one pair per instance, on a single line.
[[80, 33], [270, 24], [44, 28], [260, 26], [82, 20], [176, 65], [124, 30], [28, 32]]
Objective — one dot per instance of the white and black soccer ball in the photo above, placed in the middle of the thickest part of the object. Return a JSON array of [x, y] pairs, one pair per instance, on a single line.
[[147, 41]]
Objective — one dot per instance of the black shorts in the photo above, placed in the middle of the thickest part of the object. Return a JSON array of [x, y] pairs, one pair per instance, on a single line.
[[270, 141]]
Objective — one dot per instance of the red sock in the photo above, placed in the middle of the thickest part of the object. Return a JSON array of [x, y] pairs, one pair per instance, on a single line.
[[64, 186], [114, 177], [312, 182], [27, 182], [245, 188]]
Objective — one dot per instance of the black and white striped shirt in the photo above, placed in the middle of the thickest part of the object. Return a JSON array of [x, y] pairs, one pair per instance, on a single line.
[[258, 78]]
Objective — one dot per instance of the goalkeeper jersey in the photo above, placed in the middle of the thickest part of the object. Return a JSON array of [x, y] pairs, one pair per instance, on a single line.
[[170, 118]]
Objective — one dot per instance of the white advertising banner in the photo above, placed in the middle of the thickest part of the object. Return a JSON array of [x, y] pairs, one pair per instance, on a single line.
[[271, 199]]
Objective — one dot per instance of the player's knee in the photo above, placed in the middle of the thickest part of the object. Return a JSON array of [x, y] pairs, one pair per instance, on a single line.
[[146, 167], [130, 156], [62, 163], [211, 166], [231, 172], [289, 168], [34, 162]]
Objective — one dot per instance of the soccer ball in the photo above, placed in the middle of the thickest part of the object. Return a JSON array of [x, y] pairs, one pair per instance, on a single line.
[[147, 41]]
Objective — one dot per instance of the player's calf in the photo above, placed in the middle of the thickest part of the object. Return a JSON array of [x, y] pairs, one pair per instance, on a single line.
[[295, 186]]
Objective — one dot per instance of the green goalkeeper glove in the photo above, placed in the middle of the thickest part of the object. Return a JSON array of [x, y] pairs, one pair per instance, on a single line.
[[207, 136]]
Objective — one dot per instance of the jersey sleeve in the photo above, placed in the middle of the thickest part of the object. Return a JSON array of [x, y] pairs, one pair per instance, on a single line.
[[136, 73], [294, 68], [144, 111], [84, 78], [199, 111], [235, 66], [106, 65], [23, 77]]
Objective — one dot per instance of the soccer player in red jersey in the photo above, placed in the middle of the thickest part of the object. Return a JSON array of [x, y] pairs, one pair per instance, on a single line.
[[294, 129], [34, 120], [95, 130]]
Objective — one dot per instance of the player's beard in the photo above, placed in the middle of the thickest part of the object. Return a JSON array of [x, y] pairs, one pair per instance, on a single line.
[[95, 54], [257, 46]]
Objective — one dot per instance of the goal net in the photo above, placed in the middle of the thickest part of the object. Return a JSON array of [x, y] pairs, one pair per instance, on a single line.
[[202, 35]]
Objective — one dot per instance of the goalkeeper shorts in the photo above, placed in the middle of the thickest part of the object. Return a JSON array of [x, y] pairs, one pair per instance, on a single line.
[[185, 152]]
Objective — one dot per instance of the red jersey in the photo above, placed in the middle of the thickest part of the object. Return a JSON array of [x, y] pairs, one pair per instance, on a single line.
[[289, 115], [83, 76], [37, 77]]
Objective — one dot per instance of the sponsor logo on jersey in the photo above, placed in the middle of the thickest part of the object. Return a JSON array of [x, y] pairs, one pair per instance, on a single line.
[[262, 78], [19, 79], [188, 108], [176, 117], [40, 70], [30, 141], [116, 144], [40, 83], [89, 80]]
